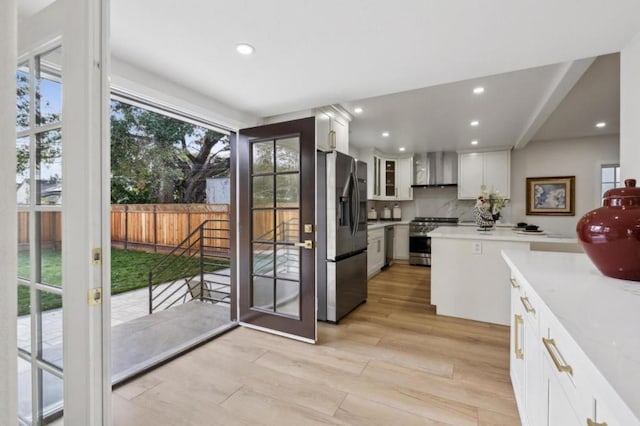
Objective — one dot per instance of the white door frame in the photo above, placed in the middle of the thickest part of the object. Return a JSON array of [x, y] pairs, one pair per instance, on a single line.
[[84, 26], [8, 229], [86, 216]]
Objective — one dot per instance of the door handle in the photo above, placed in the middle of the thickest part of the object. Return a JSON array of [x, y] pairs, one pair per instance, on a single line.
[[517, 345], [306, 244], [527, 305], [562, 368]]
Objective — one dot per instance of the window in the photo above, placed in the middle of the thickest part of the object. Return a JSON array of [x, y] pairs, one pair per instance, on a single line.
[[609, 178]]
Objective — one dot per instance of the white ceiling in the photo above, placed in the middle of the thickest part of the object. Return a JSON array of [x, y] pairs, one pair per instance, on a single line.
[[594, 98], [438, 117], [311, 53]]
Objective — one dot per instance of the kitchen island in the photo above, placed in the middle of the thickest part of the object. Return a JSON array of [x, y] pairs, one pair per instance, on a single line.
[[470, 280], [575, 348]]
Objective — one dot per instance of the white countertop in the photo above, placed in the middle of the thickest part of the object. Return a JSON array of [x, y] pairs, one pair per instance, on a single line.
[[498, 224], [601, 314], [497, 234], [383, 223]]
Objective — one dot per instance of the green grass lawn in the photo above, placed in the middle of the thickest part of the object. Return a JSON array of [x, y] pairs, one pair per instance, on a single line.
[[129, 271]]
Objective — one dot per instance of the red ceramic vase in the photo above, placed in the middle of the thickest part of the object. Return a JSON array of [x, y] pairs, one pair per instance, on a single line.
[[610, 235]]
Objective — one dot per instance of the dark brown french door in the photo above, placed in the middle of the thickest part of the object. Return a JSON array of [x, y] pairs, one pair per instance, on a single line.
[[277, 193]]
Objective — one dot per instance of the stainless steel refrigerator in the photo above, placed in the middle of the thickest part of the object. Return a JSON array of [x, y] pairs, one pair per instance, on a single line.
[[342, 235]]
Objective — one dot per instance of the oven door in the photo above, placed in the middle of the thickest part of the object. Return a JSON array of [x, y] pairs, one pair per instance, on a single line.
[[420, 250]]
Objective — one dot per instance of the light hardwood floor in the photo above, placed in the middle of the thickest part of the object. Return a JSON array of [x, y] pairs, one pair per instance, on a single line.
[[391, 362]]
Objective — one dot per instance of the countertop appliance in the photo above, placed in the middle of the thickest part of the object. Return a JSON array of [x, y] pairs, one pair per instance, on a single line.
[[342, 235], [435, 169], [419, 242], [386, 213], [397, 212], [388, 245]]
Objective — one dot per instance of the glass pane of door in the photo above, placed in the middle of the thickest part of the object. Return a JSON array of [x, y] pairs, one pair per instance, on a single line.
[[39, 219], [275, 213]]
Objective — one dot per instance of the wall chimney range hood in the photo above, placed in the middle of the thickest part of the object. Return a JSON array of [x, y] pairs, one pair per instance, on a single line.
[[435, 169]]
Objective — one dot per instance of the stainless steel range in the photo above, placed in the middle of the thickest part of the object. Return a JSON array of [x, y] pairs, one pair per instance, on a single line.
[[419, 242]]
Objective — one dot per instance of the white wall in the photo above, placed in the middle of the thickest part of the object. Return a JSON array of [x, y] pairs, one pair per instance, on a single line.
[[8, 233], [144, 84], [355, 153], [630, 110], [581, 158]]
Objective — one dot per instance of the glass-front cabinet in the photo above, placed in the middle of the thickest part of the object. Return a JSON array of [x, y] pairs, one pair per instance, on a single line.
[[390, 189], [388, 177]]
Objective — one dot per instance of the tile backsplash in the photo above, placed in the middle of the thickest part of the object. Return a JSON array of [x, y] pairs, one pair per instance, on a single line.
[[441, 202], [435, 202]]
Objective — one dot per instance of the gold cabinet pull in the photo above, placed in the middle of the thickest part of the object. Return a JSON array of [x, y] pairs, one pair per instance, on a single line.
[[514, 283], [517, 349], [563, 368], [593, 423], [527, 305]]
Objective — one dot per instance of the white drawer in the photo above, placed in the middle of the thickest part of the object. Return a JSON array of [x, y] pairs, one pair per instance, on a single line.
[[531, 305], [569, 363], [375, 234]]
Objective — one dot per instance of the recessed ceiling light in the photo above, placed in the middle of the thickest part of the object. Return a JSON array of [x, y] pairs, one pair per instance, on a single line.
[[474, 123], [385, 134], [601, 124], [244, 49], [474, 142], [401, 149], [357, 110], [478, 90]]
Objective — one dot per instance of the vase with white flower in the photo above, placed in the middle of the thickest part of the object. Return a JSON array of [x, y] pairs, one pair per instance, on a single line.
[[496, 201]]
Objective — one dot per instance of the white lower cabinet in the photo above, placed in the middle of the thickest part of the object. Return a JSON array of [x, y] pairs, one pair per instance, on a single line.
[[526, 367], [401, 242], [559, 410], [554, 382], [375, 251]]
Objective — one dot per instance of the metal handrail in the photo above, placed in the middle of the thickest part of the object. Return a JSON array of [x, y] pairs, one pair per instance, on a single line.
[[180, 261]]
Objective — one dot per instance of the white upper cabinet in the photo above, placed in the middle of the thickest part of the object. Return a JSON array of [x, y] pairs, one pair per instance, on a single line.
[[332, 130], [323, 131], [497, 172], [404, 178], [490, 169], [340, 129], [470, 174], [389, 178]]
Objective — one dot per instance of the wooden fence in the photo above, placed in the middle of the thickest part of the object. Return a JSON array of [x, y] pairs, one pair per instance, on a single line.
[[145, 227], [161, 227], [50, 230]]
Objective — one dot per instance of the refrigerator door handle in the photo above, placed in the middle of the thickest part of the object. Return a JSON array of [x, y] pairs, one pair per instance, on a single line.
[[356, 222], [353, 204]]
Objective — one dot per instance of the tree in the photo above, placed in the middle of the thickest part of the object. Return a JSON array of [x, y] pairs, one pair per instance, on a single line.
[[159, 159], [48, 144]]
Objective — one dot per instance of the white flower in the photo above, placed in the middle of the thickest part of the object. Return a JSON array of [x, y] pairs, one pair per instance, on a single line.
[[495, 200]]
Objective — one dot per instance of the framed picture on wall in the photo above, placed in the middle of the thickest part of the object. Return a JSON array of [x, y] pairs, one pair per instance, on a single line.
[[551, 196]]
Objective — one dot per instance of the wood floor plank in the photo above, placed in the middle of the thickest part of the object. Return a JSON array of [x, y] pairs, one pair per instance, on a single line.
[[362, 412], [265, 410], [391, 361], [491, 418], [448, 389], [269, 382], [366, 386], [132, 389]]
